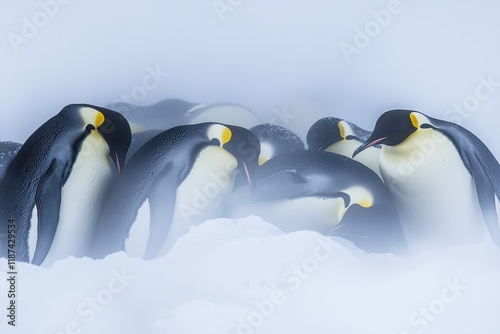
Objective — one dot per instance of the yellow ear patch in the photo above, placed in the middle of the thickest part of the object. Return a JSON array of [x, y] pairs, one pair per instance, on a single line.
[[262, 160], [266, 152], [220, 132], [414, 120], [99, 119], [360, 196], [226, 135], [366, 202], [342, 130]]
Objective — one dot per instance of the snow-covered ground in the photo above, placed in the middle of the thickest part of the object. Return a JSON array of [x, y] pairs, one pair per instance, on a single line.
[[246, 276], [352, 59]]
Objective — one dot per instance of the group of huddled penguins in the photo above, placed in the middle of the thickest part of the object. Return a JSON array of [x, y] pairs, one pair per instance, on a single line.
[[78, 183]]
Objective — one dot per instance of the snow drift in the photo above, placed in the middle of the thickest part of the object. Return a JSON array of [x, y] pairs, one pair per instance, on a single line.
[[245, 276]]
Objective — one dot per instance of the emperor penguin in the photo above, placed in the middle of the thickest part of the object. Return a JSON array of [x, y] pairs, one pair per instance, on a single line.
[[339, 136], [275, 140], [8, 151], [324, 192], [183, 174], [148, 121], [168, 113], [226, 113], [63, 170], [442, 178], [162, 115]]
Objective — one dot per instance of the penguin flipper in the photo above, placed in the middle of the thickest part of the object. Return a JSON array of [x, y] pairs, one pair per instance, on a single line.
[[48, 201], [486, 197], [277, 186], [483, 167], [284, 184], [161, 204]]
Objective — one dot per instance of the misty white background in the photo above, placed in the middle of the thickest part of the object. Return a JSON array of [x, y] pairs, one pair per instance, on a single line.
[[265, 55], [262, 55]]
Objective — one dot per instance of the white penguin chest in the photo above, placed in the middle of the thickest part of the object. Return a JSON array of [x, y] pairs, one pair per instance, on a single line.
[[211, 178], [81, 199], [305, 213], [201, 194], [434, 193]]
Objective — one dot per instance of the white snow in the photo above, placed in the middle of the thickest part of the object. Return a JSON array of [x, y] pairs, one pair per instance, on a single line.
[[276, 58], [245, 276]]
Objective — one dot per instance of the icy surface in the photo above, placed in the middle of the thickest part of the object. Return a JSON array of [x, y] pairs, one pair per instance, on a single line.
[[245, 276]]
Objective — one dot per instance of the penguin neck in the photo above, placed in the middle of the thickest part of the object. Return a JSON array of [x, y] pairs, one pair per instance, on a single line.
[[415, 142], [434, 193], [369, 157]]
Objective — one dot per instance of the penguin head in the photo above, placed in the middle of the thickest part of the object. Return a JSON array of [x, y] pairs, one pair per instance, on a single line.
[[331, 130], [276, 140], [219, 134], [370, 220], [111, 125], [324, 133], [239, 142], [392, 128], [355, 196]]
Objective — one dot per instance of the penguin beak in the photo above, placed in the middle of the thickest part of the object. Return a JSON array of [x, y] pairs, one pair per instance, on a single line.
[[366, 145], [116, 160], [249, 178], [245, 147], [116, 131]]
